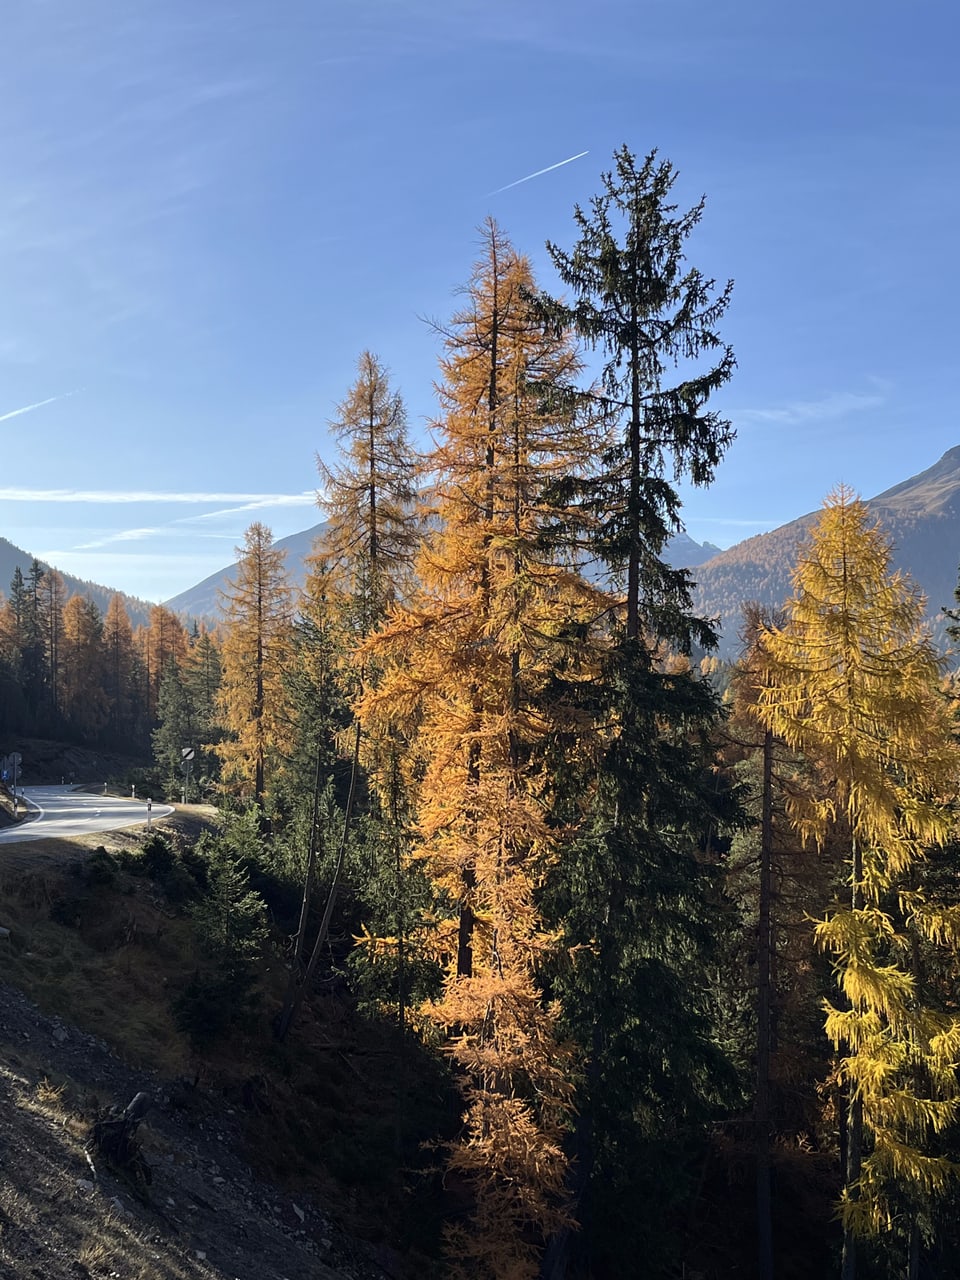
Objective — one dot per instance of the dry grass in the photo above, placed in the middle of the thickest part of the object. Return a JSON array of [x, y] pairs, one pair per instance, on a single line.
[[110, 969], [94, 1254]]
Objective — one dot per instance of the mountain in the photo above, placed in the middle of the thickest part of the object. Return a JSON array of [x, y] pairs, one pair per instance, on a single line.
[[920, 515], [203, 600], [684, 553], [12, 558]]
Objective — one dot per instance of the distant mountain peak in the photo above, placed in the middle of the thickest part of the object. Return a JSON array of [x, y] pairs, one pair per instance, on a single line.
[[929, 490]]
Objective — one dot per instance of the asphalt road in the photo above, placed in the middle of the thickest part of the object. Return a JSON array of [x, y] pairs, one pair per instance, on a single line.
[[62, 812]]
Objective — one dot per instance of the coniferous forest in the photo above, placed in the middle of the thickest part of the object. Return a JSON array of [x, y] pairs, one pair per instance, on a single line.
[[680, 937]]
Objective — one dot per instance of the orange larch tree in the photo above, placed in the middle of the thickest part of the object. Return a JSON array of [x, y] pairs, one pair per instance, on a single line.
[[256, 647], [164, 641], [119, 664], [84, 703], [470, 661]]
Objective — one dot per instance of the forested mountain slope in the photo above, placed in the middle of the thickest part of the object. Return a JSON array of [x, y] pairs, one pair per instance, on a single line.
[[921, 515], [13, 558]]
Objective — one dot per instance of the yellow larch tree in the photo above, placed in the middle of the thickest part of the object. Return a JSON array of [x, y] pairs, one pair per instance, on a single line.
[[469, 660], [252, 698], [853, 682]]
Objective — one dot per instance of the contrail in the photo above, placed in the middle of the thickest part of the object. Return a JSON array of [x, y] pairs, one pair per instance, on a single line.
[[548, 169], [27, 408]]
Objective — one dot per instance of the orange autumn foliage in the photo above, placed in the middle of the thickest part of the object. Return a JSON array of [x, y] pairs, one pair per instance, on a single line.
[[469, 661]]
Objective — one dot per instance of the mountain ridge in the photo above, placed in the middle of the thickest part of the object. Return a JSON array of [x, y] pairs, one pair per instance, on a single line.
[[921, 516], [13, 557]]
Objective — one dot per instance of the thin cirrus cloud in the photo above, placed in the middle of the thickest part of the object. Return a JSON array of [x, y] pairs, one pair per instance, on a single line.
[[257, 504], [141, 535], [797, 412], [242, 501], [126, 535]]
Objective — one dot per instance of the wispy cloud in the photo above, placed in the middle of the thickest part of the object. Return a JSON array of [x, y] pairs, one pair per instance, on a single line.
[[28, 408], [256, 504], [242, 501], [125, 535], [796, 412], [539, 173], [170, 530]]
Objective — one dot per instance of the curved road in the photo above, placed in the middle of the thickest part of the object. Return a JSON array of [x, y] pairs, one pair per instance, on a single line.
[[62, 812]]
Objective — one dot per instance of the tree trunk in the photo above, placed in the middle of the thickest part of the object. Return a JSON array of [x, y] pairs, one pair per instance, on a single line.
[[286, 1019], [283, 1018], [848, 1269], [764, 955]]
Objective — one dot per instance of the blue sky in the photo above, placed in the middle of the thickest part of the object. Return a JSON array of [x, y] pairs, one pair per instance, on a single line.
[[210, 209]]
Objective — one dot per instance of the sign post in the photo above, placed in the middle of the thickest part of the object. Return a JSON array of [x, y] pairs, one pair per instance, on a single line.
[[16, 759], [187, 755]]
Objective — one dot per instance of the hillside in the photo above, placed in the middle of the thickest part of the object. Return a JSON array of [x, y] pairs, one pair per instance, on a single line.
[[206, 1215], [921, 515], [13, 558], [254, 1161]]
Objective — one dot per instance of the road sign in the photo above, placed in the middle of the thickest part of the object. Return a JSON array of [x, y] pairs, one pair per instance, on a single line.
[[187, 753]]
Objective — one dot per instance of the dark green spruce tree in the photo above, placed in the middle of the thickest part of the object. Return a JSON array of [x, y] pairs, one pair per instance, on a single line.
[[360, 564], [635, 893]]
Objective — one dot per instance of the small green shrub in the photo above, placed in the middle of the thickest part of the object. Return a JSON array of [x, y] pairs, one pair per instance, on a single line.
[[212, 1004], [178, 876], [101, 868], [231, 929]]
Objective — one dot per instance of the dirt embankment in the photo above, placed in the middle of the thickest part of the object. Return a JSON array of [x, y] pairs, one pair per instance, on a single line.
[[204, 1215]]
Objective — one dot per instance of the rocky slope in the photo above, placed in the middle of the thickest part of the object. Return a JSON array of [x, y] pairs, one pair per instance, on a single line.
[[205, 1215]]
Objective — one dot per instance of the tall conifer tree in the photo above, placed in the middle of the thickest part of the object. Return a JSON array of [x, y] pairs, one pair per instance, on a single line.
[[119, 659], [256, 647], [469, 660], [165, 640], [83, 701], [368, 496], [632, 894], [637, 302], [360, 563]]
